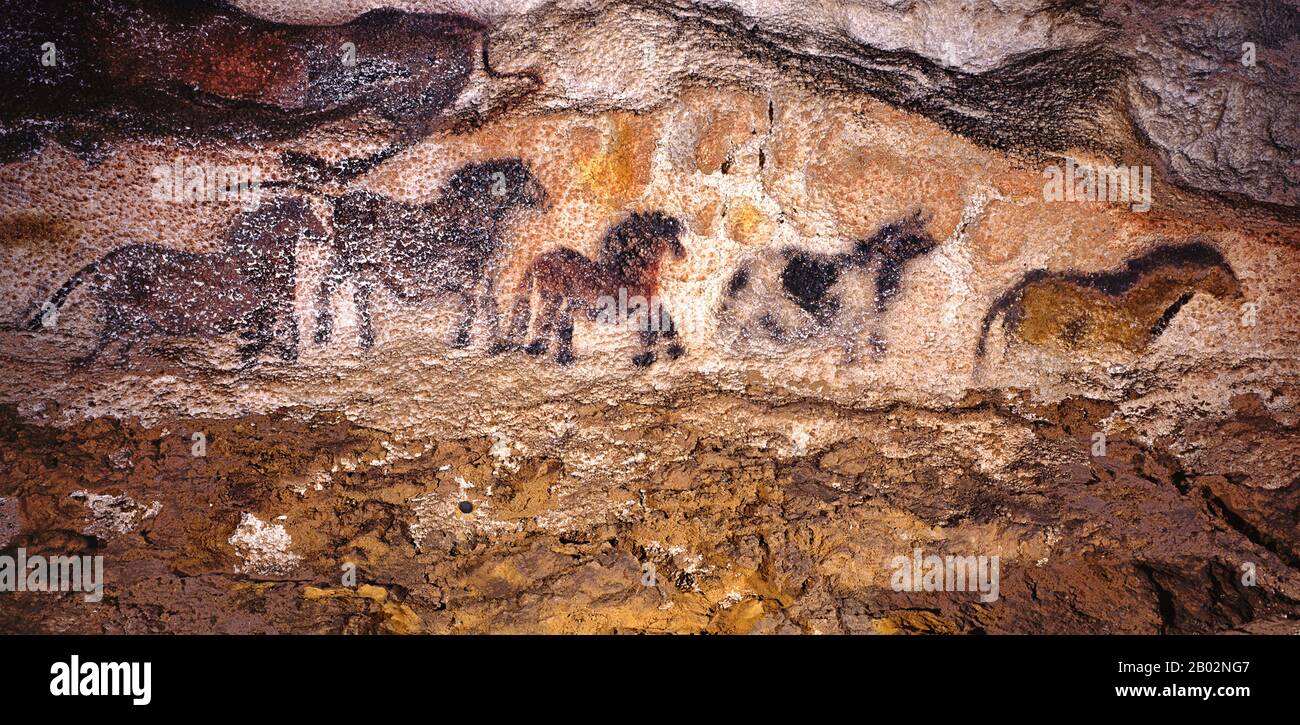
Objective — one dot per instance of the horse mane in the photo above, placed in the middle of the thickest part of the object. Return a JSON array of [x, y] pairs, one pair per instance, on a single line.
[[475, 177], [902, 239]]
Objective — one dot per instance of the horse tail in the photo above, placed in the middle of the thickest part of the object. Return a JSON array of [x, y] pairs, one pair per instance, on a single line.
[[1002, 306], [60, 296], [532, 74], [981, 347]]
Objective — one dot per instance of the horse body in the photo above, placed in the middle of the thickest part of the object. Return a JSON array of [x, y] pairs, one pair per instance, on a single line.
[[174, 292], [566, 281], [147, 289], [420, 252], [1123, 309]]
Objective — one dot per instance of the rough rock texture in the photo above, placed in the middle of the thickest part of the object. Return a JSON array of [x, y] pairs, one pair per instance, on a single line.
[[892, 337]]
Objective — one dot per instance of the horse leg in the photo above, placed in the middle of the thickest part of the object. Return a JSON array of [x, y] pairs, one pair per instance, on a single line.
[[488, 306], [285, 310], [366, 329], [289, 348], [849, 327], [546, 323], [324, 305], [123, 360], [260, 332], [107, 335], [668, 329], [248, 354], [876, 339], [647, 356], [115, 329], [507, 341], [85, 360], [564, 346], [467, 305], [517, 329], [520, 314]]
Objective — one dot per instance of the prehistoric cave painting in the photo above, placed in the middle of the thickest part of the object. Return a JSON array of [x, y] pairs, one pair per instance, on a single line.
[[1125, 309], [83, 71], [423, 251], [627, 267], [815, 284], [248, 285]]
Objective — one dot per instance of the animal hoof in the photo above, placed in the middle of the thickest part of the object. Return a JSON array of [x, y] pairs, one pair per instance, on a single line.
[[537, 347], [498, 346], [878, 345], [675, 351], [564, 358], [643, 360], [322, 335], [461, 340]]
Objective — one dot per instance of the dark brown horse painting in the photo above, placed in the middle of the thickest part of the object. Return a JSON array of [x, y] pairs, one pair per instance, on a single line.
[[82, 72], [627, 267], [247, 285], [419, 252]]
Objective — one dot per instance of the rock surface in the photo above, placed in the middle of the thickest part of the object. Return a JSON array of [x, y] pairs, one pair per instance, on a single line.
[[894, 338]]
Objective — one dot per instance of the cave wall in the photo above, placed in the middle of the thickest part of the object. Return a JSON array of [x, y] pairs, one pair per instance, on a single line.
[[890, 335]]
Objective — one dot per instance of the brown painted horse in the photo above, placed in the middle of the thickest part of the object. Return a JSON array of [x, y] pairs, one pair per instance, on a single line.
[[628, 266], [1126, 309], [248, 285], [422, 251]]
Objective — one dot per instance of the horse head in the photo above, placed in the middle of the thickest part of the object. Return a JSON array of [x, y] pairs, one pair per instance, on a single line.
[[639, 242], [898, 240], [1198, 263], [495, 188]]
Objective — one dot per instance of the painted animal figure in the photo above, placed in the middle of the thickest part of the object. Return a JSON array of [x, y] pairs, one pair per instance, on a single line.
[[419, 252], [247, 285], [627, 267], [814, 283], [1126, 308], [205, 68]]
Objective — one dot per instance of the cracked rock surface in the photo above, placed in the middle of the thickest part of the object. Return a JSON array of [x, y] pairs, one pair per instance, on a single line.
[[889, 338]]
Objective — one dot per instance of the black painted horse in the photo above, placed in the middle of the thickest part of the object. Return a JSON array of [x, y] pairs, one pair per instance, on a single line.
[[449, 246], [813, 282]]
